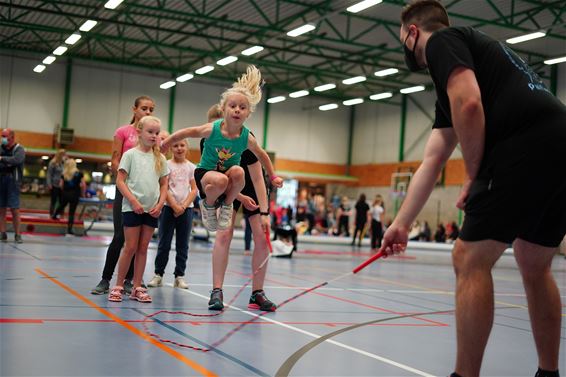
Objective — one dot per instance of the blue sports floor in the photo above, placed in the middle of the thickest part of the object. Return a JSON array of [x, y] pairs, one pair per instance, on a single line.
[[395, 318]]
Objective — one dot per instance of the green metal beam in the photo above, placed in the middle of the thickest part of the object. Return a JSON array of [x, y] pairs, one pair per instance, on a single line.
[[67, 94], [266, 108], [402, 128]]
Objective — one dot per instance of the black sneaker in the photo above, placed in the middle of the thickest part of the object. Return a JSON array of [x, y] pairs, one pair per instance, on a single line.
[[18, 238], [128, 286], [216, 298], [3, 237], [258, 301], [101, 288]]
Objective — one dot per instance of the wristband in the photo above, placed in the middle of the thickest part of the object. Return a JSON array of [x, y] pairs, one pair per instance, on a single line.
[[264, 213], [273, 177]]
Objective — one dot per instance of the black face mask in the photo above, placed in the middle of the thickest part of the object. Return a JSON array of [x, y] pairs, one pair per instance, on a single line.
[[411, 57]]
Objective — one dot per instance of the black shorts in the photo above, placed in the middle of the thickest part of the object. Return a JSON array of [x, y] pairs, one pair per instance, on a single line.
[[247, 212], [520, 192], [132, 219], [199, 173]]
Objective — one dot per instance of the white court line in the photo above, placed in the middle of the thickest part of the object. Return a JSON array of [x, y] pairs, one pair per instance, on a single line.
[[313, 335]]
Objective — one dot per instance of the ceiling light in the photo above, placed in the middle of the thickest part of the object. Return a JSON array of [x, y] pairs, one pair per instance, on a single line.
[[88, 25], [354, 80], [354, 101], [555, 60], [48, 60], [73, 38], [112, 4], [386, 72], [379, 96], [227, 60], [205, 69], [60, 50], [301, 30], [413, 89], [300, 93], [39, 68], [185, 77], [167, 85], [252, 50], [329, 106], [324, 87], [45, 158], [78, 160], [526, 37], [276, 99], [362, 5]]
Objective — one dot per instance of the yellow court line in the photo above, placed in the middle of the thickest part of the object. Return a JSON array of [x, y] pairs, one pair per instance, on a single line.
[[197, 367]]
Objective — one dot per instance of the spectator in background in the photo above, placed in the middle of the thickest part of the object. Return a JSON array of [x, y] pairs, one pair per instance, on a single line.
[[72, 186], [376, 215], [54, 173], [425, 232], [440, 235], [12, 157], [362, 209], [454, 232], [343, 216]]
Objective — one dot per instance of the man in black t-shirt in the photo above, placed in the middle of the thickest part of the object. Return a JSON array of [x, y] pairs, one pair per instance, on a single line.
[[512, 133]]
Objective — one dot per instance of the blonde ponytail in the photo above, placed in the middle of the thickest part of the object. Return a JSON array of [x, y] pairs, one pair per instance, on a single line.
[[249, 85]]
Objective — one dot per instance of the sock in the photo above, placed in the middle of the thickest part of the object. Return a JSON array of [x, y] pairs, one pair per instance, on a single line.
[[256, 291], [547, 373]]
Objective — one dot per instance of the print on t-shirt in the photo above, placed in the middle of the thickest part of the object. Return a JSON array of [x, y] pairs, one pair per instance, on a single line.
[[535, 83], [223, 155]]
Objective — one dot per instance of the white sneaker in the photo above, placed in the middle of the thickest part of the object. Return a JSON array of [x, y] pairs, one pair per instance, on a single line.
[[180, 283], [225, 216], [208, 215], [156, 281]]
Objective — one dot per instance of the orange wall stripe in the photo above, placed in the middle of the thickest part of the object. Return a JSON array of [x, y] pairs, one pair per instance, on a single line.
[[197, 367]]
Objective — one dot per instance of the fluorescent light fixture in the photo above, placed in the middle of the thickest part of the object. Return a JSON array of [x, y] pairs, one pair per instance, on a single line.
[[252, 50], [109, 164], [205, 69], [324, 87], [39, 68], [45, 158], [386, 72], [555, 60], [413, 89], [112, 4], [60, 50], [73, 38], [328, 106], [168, 84], [301, 30], [276, 99], [379, 96], [300, 93], [354, 80], [78, 160], [88, 25], [48, 60], [362, 5], [526, 37], [185, 77], [353, 101], [227, 60]]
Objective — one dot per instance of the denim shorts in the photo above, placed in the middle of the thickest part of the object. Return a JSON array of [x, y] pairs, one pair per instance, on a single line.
[[9, 192], [132, 219]]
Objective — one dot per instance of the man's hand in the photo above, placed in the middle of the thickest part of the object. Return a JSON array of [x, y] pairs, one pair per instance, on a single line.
[[395, 240], [277, 182], [464, 193], [265, 223]]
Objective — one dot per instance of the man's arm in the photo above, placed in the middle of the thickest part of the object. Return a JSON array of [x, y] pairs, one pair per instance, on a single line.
[[17, 159], [467, 117], [439, 147]]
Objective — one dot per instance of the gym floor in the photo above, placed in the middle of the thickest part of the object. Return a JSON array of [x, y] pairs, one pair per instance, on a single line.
[[394, 318]]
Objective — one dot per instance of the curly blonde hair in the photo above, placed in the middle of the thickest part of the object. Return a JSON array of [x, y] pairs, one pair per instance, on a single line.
[[249, 85]]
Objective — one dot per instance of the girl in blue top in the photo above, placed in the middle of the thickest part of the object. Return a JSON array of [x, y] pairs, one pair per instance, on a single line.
[[218, 173]]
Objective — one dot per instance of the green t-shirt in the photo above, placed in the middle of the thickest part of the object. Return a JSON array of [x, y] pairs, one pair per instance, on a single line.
[[221, 153], [143, 180]]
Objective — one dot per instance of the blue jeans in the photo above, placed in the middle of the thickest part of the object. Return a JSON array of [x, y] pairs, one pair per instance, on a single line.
[[182, 226]]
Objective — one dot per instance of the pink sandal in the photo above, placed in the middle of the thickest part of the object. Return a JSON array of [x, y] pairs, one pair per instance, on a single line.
[[115, 294], [140, 294]]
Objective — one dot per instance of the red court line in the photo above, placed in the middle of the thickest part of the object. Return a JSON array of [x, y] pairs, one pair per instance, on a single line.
[[194, 365], [351, 253], [198, 323], [348, 301]]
